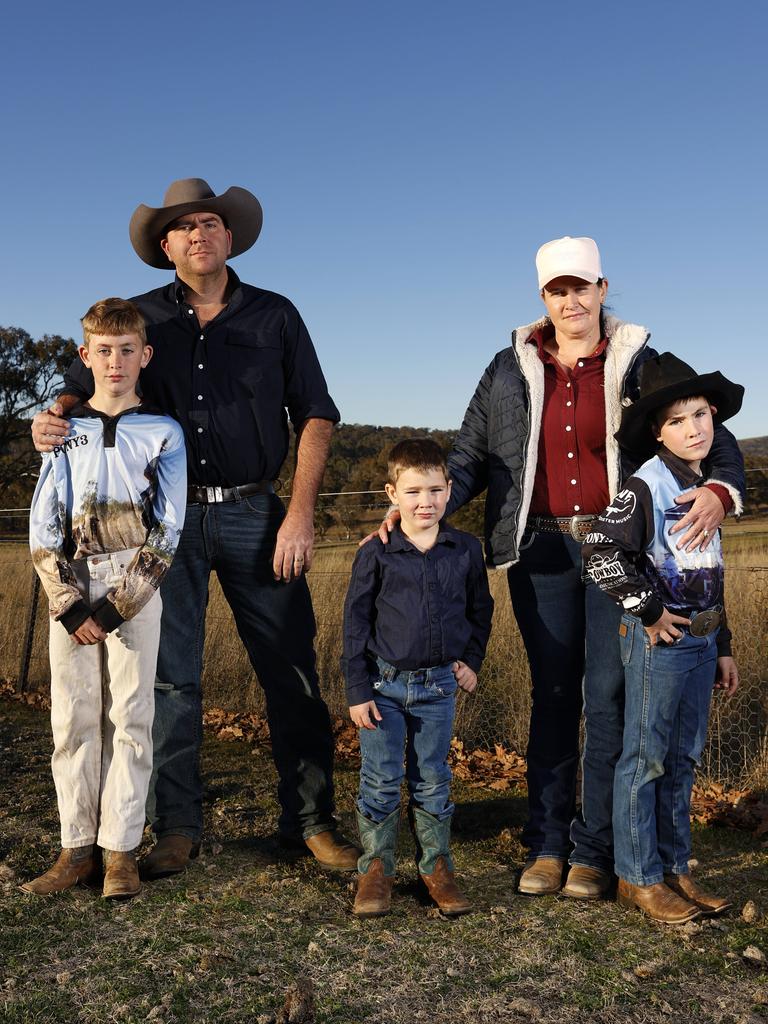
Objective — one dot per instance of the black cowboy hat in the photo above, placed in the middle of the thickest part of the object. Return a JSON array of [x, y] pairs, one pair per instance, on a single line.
[[237, 207], [665, 379]]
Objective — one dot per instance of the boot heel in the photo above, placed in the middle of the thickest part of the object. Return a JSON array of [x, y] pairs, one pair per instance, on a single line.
[[625, 901]]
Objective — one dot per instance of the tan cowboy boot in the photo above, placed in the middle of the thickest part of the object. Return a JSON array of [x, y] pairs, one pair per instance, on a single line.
[[657, 901], [586, 883], [331, 850], [72, 867], [121, 878], [542, 876], [707, 903]]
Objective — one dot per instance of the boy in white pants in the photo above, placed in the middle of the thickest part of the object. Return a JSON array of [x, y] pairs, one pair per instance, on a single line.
[[105, 521]]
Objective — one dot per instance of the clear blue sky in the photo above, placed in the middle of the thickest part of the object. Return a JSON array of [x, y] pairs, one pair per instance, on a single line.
[[410, 158]]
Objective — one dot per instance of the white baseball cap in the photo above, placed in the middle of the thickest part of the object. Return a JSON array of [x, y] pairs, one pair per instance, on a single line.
[[569, 257]]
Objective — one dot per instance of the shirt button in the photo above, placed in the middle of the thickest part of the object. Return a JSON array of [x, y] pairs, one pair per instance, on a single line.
[[568, 384], [576, 508], [202, 462], [200, 430], [573, 481], [190, 311], [569, 403], [580, 363], [202, 338], [200, 366], [567, 428], [570, 455], [199, 398]]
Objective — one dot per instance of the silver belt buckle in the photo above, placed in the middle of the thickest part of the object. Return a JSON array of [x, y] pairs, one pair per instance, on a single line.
[[214, 494], [706, 622], [574, 527]]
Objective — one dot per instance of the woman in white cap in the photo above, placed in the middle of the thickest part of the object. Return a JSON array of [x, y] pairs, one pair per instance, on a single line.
[[539, 435]]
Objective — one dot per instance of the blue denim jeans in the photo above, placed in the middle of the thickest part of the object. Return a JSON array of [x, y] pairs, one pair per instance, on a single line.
[[412, 740], [570, 631], [277, 626], [669, 688]]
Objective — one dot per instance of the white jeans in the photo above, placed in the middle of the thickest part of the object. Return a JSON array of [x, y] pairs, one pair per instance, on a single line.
[[102, 706]]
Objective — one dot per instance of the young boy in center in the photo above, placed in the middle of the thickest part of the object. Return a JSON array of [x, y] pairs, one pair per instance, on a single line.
[[416, 623], [105, 521], [675, 643]]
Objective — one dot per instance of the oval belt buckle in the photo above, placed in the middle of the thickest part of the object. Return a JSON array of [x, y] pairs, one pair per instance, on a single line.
[[706, 622]]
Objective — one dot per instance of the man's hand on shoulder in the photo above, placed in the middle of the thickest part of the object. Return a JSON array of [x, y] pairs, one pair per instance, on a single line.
[[294, 547], [49, 427], [387, 526]]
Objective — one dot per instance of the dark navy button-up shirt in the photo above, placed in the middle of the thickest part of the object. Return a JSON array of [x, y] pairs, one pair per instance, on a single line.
[[229, 383], [415, 609]]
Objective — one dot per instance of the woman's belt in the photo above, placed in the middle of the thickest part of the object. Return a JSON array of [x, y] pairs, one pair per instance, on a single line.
[[212, 495], [577, 526]]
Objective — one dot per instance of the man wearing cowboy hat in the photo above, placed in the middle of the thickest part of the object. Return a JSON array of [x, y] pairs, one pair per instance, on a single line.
[[229, 360]]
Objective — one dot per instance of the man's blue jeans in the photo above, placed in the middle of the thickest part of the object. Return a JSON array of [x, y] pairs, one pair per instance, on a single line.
[[417, 722], [669, 688], [571, 631], [276, 623]]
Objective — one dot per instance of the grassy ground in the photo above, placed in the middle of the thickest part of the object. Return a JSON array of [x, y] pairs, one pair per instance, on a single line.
[[226, 941]]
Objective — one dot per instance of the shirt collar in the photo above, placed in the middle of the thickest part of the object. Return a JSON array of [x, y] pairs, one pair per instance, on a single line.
[[399, 542], [234, 290], [681, 469], [546, 333]]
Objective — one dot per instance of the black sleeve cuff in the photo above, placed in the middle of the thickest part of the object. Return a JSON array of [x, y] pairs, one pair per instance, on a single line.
[[107, 616], [652, 612], [75, 616]]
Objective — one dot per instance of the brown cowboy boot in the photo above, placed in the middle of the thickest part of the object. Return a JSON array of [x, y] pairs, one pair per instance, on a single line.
[[707, 903], [376, 865], [72, 867], [442, 888], [435, 863], [374, 891], [121, 879], [657, 901], [170, 855]]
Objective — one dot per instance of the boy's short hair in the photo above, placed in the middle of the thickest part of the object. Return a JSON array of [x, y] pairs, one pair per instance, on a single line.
[[420, 453], [113, 317]]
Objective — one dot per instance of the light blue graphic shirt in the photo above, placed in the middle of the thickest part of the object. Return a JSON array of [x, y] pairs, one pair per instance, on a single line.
[[115, 482]]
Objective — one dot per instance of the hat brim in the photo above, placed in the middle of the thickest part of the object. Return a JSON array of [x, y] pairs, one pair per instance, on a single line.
[[636, 433], [237, 206], [583, 275]]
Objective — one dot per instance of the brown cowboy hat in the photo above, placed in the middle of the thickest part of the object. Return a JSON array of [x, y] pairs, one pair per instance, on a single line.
[[663, 380], [238, 207]]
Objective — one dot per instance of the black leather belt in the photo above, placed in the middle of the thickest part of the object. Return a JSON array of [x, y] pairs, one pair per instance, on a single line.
[[213, 495], [577, 526]]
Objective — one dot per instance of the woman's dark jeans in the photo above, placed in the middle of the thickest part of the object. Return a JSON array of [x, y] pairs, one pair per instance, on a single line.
[[277, 626], [571, 634]]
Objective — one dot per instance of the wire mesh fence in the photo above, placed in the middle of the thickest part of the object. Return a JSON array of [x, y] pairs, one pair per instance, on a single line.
[[737, 750]]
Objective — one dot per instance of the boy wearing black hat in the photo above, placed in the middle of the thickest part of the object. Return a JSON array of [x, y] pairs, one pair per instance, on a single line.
[[675, 643]]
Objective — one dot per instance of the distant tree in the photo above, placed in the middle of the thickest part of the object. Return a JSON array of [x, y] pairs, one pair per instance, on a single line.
[[30, 375]]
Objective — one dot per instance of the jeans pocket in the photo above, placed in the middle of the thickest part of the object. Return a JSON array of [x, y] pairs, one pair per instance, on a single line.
[[443, 686], [627, 638], [266, 505]]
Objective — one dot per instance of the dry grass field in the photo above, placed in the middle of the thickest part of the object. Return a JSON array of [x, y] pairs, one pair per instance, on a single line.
[[498, 713]]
